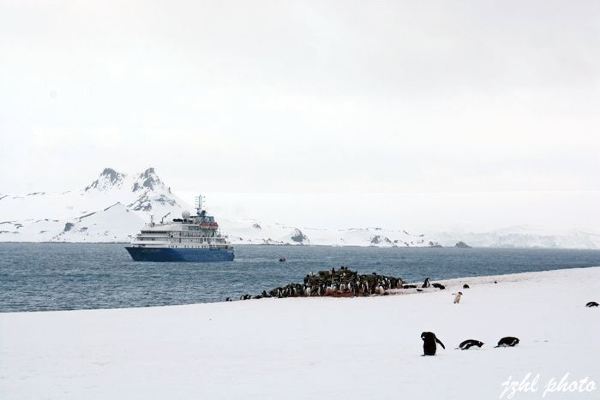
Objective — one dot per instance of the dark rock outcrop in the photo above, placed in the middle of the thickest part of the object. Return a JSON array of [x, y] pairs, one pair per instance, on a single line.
[[378, 239], [147, 180], [298, 236], [108, 177]]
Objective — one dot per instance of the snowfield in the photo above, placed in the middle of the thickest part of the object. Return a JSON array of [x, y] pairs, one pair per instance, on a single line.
[[305, 348]]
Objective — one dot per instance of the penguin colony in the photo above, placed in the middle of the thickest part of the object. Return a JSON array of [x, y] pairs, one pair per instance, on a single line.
[[335, 283], [339, 283]]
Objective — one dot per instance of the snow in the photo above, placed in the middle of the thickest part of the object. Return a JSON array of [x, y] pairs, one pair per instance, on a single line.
[[256, 232], [313, 347]]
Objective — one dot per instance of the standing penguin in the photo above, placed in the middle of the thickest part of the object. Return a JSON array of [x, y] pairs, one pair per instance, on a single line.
[[429, 343], [457, 297]]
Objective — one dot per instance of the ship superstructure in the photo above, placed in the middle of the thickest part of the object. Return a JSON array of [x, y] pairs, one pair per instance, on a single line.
[[194, 238]]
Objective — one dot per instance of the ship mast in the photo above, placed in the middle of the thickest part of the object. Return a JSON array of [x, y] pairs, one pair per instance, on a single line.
[[199, 200]]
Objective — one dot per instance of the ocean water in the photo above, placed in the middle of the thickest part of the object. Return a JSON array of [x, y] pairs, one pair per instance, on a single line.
[[53, 276]]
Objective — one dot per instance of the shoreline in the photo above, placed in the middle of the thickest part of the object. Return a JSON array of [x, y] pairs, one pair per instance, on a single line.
[[451, 284], [94, 276], [337, 245]]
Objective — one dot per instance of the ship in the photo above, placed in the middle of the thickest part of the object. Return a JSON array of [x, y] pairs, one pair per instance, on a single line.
[[191, 238]]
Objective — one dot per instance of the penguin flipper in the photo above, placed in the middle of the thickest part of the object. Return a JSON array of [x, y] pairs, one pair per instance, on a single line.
[[440, 342]]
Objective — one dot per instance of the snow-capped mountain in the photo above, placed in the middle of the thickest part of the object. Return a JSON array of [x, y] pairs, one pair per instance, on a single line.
[[111, 208], [115, 206]]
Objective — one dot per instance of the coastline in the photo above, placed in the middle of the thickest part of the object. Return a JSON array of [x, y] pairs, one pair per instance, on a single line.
[[310, 347], [328, 245]]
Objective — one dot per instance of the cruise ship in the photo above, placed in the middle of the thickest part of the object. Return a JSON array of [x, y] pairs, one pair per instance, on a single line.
[[191, 238]]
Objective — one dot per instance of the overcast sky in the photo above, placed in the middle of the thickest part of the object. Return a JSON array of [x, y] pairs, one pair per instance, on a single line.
[[305, 96]]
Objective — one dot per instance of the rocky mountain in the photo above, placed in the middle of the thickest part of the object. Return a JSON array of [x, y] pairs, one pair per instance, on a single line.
[[111, 208]]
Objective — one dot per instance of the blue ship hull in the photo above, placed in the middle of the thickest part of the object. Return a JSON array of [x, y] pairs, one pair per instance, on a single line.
[[179, 255]]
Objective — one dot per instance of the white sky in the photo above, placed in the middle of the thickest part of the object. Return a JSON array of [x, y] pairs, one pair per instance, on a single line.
[[303, 97], [540, 212]]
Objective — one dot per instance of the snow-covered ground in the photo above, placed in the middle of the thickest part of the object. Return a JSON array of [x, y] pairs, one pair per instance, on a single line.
[[304, 348]]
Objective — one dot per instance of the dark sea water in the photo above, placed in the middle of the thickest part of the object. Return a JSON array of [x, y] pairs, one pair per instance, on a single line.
[[50, 276]]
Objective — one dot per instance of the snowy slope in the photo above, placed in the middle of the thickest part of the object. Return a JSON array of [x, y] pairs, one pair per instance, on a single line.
[[254, 232], [313, 348]]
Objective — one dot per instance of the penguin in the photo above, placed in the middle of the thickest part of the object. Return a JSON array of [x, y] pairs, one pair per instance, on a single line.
[[467, 344], [426, 283], [592, 304], [508, 341], [429, 343], [409, 286], [457, 297], [465, 286], [438, 285]]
